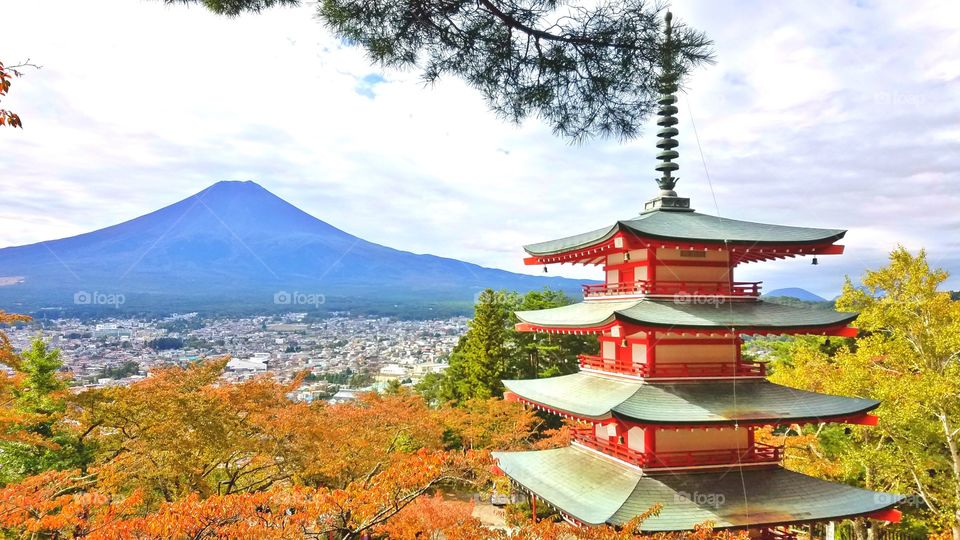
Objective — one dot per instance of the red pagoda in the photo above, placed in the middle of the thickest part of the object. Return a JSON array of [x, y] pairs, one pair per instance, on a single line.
[[668, 408]]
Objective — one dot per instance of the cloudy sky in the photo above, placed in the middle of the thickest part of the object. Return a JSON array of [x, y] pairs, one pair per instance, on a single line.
[[832, 114]]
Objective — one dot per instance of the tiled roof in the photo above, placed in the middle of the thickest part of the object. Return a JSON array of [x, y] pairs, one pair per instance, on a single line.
[[669, 313], [692, 226], [689, 402], [595, 489]]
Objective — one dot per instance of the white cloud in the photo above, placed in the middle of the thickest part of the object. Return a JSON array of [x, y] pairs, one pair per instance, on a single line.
[[840, 117]]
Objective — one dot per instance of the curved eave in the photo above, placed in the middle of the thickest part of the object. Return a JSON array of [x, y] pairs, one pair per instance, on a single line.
[[565, 394], [829, 236], [572, 243], [590, 396], [595, 489], [746, 402], [668, 227], [742, 317]]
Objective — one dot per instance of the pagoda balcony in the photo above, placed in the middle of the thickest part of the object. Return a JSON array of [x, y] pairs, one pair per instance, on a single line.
[[758, 453], [675, 370], [610, 365], [706, 369], [736, 289]]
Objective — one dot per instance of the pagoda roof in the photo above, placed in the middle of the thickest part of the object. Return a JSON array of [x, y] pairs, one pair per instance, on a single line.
[[693, 402], [757, 315], [595, 489], [694, 227]]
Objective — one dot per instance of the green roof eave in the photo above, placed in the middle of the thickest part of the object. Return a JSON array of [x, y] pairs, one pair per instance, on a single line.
[[758, 315], [698, 402], [692, 227], [566, 393], [732, 400], [595, 489]]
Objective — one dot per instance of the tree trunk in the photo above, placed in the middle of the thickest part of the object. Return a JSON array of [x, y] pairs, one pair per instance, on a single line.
[[859, 530], [950, 436]]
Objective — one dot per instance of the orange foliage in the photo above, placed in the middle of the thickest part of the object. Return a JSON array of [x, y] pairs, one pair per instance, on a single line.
[[434, 517], [61, 503], [183, 455], [8, 118], [11, 420], [492, 424]]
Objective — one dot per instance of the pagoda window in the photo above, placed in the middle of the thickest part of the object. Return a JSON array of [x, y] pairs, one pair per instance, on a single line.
[[638, 354], [709, 257], [691, 353], [613, 277], [608, 349], [718, 274], [606, 433], [692, 440], [635, 438]]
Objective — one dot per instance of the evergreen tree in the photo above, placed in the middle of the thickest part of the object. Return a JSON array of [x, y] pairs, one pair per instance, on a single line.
[[547, 355], [482, 357], [492, 350], [37, 441]]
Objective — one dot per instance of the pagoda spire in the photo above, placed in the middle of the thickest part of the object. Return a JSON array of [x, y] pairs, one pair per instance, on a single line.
[[668, 84], [667, 113]]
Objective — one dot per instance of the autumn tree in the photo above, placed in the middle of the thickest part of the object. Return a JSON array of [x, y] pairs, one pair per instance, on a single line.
[[587, 68], [184, 454], [7, 74], [180, 432], [908, 357]]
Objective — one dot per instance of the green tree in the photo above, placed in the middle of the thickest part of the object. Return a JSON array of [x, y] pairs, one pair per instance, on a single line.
[[547, 355], [39, 396], [908, 357], [482, 357], [590, 68], [492, 350]]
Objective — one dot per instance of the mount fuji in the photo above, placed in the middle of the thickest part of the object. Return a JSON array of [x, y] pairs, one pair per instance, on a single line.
[[236, 246]]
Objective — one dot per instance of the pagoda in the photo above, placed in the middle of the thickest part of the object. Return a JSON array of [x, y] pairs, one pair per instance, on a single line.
[[667, 410]]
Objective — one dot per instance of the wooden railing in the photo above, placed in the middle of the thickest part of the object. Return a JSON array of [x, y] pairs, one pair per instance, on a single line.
[[707, 369], [675, 370], [744, 289], [611, 365], [758, 453]]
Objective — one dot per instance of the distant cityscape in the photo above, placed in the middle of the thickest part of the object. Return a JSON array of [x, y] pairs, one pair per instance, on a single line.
[[342, 355]]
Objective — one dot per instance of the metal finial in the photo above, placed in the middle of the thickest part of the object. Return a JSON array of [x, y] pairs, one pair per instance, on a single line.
[[668, 121]]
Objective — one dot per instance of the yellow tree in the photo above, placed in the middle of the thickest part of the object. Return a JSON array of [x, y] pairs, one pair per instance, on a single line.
[[908, 357]]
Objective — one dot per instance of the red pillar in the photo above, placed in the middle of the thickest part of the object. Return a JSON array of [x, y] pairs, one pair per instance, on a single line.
[[533, 507]]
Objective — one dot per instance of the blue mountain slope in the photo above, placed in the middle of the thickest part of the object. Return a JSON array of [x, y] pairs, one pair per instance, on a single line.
[[798, 293], [235, 242]]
